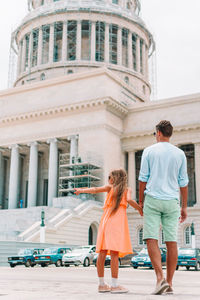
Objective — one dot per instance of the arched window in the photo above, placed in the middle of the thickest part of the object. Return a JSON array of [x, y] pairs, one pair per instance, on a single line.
[[140, 236], [92, 234], [187, 235], [42, 76], [126, 79]]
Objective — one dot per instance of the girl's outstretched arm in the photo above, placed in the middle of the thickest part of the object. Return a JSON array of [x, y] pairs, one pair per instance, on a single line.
[[93, 190], [133, 203]]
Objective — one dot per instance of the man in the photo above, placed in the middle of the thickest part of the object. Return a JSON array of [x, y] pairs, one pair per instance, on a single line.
[[163, 175]]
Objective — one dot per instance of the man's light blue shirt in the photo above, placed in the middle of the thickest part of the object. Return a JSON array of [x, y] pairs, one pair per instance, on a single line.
[[164, 168]]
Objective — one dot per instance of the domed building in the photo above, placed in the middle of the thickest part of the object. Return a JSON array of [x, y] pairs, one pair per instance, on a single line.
[[80, 107]]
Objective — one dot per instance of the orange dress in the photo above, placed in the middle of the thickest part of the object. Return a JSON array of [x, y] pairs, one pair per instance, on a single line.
[[113, 231]]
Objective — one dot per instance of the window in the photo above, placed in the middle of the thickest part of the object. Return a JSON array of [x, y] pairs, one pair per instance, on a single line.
[[126, 79], [113, 43], [125, 47], [35, 47], [100, 38], [42, 2], [189, 152], [45, 43], [115, 1], [42, 76], [134, 38], [71, 40], [85, 40], [141, 56], [69, 71], [58, 31], [140, 236], [27, 39], [187, 235], [138, 157]]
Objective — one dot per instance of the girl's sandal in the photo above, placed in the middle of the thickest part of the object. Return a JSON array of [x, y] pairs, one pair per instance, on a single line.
[[104, 288]]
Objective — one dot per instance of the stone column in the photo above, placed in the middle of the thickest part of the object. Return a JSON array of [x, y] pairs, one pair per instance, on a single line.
[[64, 42], [106, 45], [23, 60], [33, 175], [19, 61], [73, 147], [1, 179], [119, 46], [78, 41], [130, 51], [131, 173], [40, 46], [53, 171], [144, 58], [14, 174], [51, 43], [197, 172], [138, 54], [93, 41], [30, 51]]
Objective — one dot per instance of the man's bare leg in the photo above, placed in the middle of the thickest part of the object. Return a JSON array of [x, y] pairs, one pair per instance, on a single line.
[[155, 256], [171, 263]]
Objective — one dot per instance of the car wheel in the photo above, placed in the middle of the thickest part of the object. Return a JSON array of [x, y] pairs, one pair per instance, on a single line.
[[58, 263], [12, 266], [28, 263], [86, 262], [66, 265], [177, 267], [120, 263], [187, 268], [43, 265], [32, 266], [197, 268], [135, 267]]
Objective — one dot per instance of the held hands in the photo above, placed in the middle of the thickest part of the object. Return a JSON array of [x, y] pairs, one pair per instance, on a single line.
[[183, 215], [140, 210], [77, 191]]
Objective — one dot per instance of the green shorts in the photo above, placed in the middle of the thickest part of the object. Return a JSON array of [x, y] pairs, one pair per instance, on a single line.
[[157, 212]]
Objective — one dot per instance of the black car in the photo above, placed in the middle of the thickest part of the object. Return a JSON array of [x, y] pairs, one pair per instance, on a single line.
[[126, 260], [189, 258], [24, 257]]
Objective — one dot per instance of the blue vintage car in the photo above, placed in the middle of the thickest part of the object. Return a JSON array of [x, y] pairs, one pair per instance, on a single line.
[[188, 257], [51, 256], [24, 257], [143, 259]]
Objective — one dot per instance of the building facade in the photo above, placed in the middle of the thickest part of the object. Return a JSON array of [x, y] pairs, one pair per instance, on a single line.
[[82, 93]]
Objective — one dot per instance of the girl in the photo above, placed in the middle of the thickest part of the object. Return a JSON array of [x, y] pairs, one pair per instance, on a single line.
[[113, 235]]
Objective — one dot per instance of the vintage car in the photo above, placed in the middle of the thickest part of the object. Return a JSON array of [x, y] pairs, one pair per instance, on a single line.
[[126, 260], [82, 255], [24, 257], [51, 256], [142, 259], [189, 258]]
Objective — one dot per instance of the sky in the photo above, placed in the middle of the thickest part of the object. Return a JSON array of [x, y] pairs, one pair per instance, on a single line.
[[175, 25]]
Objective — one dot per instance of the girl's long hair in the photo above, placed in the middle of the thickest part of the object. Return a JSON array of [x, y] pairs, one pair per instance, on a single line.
[[119, 186]]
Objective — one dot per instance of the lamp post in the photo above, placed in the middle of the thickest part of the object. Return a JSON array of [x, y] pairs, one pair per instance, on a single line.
[[193, 236], [42, 227]]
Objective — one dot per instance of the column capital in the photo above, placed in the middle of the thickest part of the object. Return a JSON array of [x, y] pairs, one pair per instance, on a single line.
[[32, 144], [14, 146], [52, 140], [71, 137]]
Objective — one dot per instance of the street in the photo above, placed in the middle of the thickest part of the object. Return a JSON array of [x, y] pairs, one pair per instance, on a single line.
[[81, 283]]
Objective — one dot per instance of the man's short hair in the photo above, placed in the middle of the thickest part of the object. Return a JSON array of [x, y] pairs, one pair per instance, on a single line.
[[165, 127]]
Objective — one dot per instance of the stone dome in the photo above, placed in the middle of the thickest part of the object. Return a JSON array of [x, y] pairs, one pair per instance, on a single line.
[[61, 37]]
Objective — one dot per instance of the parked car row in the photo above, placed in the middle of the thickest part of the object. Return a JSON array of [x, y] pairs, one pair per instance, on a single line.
[[85, 255], [53, 255]]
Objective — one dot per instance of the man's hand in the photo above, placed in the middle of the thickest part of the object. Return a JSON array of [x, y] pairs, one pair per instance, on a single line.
[[183, 215], [140, 209], [77, 191]]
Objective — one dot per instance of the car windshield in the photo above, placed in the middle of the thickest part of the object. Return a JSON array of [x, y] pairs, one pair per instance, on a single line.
[[25, 252], [50, 251], [186, 252], [80, 250], [143, 251]]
